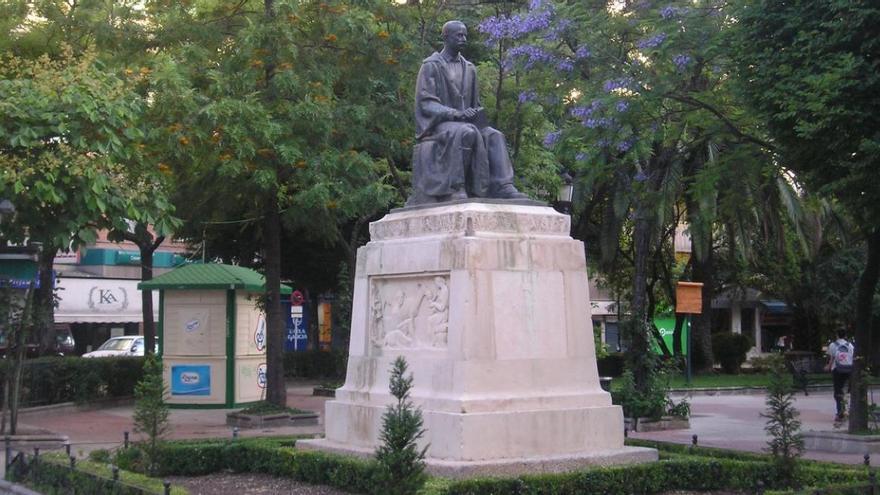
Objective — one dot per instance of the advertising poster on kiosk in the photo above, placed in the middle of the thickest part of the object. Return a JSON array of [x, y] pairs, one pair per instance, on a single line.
[[191, 380]]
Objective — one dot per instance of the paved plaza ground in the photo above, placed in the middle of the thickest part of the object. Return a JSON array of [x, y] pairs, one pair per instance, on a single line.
[[726, 421]]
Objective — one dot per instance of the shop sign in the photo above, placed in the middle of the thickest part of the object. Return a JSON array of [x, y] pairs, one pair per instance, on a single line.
[[103, 299]]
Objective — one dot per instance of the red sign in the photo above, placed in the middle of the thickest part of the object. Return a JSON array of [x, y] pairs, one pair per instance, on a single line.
[[296, 298]]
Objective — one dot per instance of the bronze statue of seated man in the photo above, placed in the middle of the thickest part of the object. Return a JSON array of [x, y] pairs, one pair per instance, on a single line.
[[457, 155]]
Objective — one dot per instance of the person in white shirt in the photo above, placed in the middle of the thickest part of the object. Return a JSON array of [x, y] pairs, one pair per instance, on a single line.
[[840, 362]]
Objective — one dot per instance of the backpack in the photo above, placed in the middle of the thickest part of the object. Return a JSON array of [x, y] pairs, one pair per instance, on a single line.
[[843, 357]]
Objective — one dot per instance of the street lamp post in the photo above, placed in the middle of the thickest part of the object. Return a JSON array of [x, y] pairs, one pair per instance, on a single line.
[[566, 191]]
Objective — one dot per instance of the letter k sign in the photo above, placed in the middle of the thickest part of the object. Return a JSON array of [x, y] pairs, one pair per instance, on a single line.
[[105, 296]]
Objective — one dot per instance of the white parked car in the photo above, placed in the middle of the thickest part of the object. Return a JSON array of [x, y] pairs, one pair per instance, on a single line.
[[130, 345]]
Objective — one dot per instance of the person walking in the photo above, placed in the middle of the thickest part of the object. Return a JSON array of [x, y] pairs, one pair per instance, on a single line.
[[840, 362]]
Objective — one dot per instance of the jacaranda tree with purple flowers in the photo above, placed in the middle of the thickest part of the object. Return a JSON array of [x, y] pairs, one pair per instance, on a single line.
[[641, 112]]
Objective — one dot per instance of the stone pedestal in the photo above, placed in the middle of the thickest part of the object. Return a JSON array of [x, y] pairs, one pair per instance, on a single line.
[[489, 305]]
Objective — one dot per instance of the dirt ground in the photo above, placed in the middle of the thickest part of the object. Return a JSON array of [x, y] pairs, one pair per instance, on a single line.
[[248, 484]]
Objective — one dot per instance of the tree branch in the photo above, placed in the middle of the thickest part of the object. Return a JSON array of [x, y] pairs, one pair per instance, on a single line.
[[725, 120]]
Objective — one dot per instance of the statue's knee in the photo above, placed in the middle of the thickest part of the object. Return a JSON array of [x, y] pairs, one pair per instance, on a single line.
[[469, 133]]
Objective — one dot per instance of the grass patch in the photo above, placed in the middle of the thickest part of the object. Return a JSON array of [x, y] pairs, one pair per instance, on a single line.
[[263, 408]]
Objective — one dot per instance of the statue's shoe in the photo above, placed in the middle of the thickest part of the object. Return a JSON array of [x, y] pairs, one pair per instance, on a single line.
[[458, 195], [507, 191]]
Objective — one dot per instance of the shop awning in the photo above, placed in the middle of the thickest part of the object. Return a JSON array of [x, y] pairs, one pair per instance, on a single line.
[[211, 276], [776, 307], [18, 270], [100, 300]]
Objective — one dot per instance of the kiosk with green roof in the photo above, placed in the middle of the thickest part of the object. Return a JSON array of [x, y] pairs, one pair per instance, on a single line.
[[212, 335]]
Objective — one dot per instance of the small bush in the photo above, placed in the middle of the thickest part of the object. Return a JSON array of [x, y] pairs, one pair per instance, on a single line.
[[730, 350], [786, 443], [150, 410], [401, 462], [649, 403]]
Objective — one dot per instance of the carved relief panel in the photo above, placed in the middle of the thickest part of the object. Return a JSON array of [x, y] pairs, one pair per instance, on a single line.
[[409, 312]]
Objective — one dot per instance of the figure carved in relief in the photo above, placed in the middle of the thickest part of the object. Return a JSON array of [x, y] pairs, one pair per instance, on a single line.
[[439, 304], [404, 313], [377, 309]]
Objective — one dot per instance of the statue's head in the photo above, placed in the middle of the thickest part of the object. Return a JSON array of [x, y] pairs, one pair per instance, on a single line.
[[454, 35]]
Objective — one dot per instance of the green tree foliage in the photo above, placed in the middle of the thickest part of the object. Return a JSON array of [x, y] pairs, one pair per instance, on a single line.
[[786, 442], [117, 34], [151, 411], [642, 110], [273, 113], [810, 68], [401, 462]]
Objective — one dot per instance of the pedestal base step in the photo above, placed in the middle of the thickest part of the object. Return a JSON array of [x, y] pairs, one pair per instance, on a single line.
[[504, 467]]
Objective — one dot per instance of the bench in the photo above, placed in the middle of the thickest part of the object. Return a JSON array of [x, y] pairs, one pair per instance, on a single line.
[[800, 364], [800, 368]]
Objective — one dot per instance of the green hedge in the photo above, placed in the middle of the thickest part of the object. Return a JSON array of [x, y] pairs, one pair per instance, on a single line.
[[51, 380], [52, 475], [681, 468], [315, 364]]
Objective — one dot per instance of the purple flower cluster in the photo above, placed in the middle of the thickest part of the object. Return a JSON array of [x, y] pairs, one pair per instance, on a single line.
[[580, 157], [621, 106], [517, 26], [681, 62], [552, 138], [640, 176], [671, 11], [565, 65], [558, 30], [531, 55], [527, 96], [619, 83], [585, 112], [652, 42], [582, 52], [625, 145], [597, 123]]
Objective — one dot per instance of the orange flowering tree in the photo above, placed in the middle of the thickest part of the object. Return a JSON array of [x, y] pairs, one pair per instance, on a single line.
[[280, 116]]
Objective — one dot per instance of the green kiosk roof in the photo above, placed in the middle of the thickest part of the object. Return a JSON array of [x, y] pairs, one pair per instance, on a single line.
[[210, 276]]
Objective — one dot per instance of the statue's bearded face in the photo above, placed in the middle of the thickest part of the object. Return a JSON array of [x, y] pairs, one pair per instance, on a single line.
[[456, 36]]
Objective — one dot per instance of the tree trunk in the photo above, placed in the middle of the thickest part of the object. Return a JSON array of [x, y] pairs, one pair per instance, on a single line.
[[44, 301], [638, 331], [858, 414], [18, 344], [148, 246], [701, 329], [147, 301], [677, 346], [276, 391]]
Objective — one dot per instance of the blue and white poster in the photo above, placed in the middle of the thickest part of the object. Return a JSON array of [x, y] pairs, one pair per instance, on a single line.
[[191, 379], [296, 338]]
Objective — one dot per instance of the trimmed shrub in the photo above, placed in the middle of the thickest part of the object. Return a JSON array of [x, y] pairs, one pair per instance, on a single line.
[[681, 468], [52, 380], [730, 350], [52, 475]]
